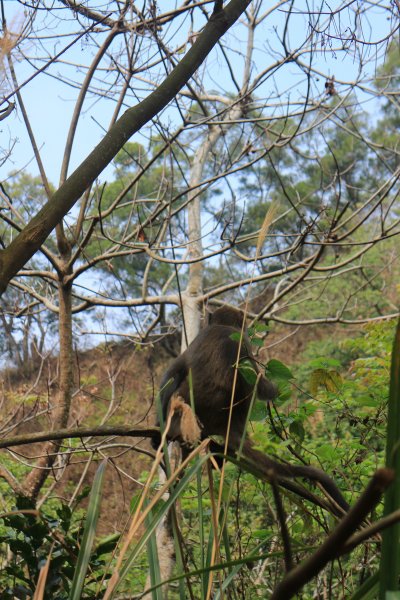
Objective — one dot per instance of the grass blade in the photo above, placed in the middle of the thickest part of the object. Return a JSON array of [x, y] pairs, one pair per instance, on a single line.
[[154, 563], [88, 534], [390, 556], [159, 511]]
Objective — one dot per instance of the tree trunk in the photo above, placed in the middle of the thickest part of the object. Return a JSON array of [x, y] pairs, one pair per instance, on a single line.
[[192, 299], [29, 240], [60, 409]]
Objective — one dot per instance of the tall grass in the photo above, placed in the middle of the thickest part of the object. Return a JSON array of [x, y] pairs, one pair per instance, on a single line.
[[390, 556], [88, 534]]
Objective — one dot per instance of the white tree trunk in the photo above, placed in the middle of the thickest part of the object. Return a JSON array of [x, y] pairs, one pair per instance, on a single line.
[[192, 297]]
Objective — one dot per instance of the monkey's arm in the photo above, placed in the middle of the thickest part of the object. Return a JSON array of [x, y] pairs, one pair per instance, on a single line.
[[266, 390], [171, 381]]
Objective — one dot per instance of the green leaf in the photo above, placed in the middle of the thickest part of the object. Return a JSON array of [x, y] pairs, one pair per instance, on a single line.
[[368, 401], [84, 494], [153, 559], [135, 501], [260, 327], [226, 491], [326, 451], [262, 534], [24, 503], [248, 372], [276, 369], [259, 411], [284, 390], [325, 363], [296, 429], [17, 522], [236, 336], [64, 513], [88, 534], [23, 548]]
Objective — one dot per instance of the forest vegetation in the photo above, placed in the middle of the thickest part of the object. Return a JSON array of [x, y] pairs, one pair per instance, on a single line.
[[158, 163]]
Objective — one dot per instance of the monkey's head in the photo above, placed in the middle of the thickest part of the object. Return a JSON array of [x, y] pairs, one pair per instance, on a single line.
[[227, 315]]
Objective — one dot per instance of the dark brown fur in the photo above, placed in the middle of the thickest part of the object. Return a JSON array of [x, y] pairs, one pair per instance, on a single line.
[[211, 359]]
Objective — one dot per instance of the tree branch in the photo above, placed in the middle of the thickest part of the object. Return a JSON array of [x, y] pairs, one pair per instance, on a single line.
[[301, 574], [24, 246], [68, 433]]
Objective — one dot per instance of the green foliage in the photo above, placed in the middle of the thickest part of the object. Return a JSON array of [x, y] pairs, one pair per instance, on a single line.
[[335, 417], [248, 372], [276, 370], [280, 374], [55, 532], [349, 423]]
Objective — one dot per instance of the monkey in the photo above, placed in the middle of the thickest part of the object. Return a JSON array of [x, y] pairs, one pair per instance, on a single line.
[[210, 359]]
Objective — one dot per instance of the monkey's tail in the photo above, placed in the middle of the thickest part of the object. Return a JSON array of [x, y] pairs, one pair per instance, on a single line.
[[315, 474], [282, 471]]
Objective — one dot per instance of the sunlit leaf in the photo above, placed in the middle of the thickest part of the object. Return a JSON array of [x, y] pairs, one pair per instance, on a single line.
[[276, 369]]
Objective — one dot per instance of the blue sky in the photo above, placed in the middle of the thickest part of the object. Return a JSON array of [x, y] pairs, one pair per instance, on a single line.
[[50, 103]]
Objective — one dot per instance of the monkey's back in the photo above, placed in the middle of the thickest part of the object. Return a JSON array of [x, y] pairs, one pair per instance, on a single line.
[[211, 358]]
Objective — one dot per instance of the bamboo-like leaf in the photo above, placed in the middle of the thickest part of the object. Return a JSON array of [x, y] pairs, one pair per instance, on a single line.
[[158, 515], [390, 556], [229, 579], [209, 559], [368, 590], [233, 566], [227, 582], [154, 563], [202, 522], [88, 534]]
